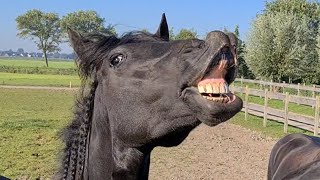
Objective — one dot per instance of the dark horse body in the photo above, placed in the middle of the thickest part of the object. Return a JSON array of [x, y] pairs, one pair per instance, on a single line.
[[144, 91], [295, 157]]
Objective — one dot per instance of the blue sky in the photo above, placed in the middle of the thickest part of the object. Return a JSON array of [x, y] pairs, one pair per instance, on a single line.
[[202, 16]]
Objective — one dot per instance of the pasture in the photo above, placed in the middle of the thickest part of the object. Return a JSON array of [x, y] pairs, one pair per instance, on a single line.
[[31, 119], [39, 80], [20, 62], [29, 123], [37, 66]]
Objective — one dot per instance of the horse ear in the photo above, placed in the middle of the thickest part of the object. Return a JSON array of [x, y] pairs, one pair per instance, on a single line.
[[76, 40], [163, 30], [82, 46]]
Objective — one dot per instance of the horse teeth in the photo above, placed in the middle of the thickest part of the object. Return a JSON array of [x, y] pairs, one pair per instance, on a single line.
[[216, 89], [201, 89], [222, 88], [209, 88]]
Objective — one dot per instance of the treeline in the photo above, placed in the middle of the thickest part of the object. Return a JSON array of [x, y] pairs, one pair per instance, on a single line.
[[284, 40]]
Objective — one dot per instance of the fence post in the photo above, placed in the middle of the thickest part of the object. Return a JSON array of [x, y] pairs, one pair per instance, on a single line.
[[265, 110], [241, 81], [298, 89], [316, 116], [260, 83], [70, 85], [271, 89], [286, 113], [283, 84], [314, 95], [246, 102]]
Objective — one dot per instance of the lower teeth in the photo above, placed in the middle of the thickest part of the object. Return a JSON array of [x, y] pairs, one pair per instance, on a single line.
[[223, 98]]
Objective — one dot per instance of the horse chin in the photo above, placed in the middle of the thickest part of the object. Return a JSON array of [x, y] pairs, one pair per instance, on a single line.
[[211, 112]]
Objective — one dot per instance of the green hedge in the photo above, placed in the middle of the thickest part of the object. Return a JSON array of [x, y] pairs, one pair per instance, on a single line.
[[38, 70]]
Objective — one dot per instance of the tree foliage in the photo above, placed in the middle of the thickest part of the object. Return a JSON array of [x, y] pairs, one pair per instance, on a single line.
[[43, 28], [282, 43], [83, 21], [183, 34], [243, 69]]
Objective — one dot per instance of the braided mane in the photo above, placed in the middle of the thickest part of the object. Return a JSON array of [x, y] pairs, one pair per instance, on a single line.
[[76, 135]]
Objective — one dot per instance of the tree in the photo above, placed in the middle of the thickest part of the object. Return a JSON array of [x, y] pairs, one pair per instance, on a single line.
[[43, 28], [281, 45], [20, 51], [183, 34], [243, 69], [83, 21], [145, 31], [171, 34]]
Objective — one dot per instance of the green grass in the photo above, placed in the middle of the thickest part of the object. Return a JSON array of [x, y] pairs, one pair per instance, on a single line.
[[36, 66], [273, 129], [38, 80], [299, 109], [29, 123], [36, 63]]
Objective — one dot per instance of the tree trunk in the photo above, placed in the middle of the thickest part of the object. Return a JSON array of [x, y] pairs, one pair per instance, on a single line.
[[46, 58]]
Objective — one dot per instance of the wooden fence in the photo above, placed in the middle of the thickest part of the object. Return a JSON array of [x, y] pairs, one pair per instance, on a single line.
[[310, 123], [314, 89]]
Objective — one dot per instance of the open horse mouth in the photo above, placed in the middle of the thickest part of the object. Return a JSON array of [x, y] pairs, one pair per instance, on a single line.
[[209, 96], [213, 85], [216, 90]]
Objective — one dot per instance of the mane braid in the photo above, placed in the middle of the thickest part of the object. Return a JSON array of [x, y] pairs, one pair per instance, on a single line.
[[76, 134]]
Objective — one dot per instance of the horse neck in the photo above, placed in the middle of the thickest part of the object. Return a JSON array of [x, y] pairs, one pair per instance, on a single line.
[[108, 158]]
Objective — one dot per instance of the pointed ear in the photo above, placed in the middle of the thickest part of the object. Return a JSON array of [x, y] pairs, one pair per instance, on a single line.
[[163, 30], [76, 40], [83, 50]]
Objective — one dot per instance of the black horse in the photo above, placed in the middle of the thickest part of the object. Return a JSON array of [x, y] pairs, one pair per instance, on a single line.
[[295, 156], [142, 91]]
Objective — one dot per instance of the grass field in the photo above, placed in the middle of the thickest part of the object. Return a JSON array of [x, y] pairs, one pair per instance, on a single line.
[[36, 63], [39, 80], [29, 123], [37, 66], [31, 119]]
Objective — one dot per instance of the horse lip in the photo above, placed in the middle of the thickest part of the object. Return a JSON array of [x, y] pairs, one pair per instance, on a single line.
[[209, 112]]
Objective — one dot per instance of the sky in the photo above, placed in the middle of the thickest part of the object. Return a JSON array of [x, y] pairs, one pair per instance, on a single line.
[[128, 15]]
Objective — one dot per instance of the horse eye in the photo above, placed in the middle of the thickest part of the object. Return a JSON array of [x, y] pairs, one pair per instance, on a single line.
[[116, 60]]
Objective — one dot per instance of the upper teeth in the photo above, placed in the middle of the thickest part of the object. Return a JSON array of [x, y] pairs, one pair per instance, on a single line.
[[214, 87]]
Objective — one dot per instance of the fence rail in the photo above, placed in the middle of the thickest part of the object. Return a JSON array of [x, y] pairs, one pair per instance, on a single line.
[[309, 123], [298, 87]]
